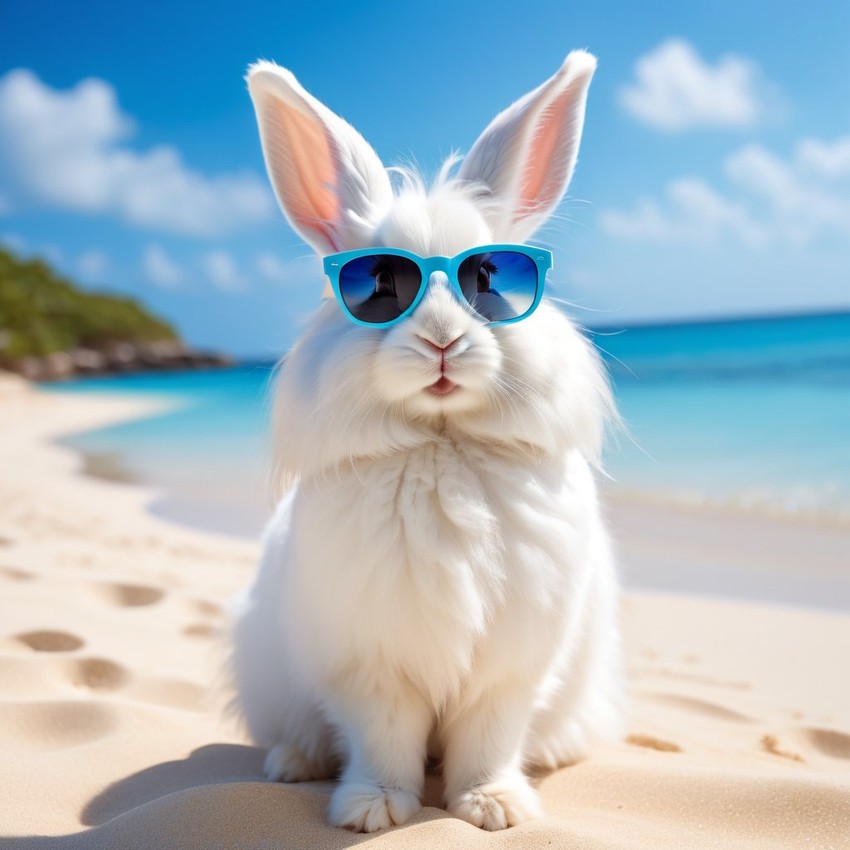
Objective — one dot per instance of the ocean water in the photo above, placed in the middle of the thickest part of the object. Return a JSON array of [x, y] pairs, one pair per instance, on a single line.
[[204, 450], [754, 415], [748, 413]]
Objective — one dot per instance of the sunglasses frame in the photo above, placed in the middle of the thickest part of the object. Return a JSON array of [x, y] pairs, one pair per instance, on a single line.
[[333, 264]]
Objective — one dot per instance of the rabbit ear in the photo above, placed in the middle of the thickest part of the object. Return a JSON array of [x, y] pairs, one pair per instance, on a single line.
[[527, 154], [330, 183]]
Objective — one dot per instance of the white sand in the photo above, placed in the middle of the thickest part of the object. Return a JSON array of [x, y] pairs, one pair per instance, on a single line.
[[739, 721]]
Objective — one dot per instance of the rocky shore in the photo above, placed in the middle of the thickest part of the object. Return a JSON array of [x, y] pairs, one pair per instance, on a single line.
[[122, 357]]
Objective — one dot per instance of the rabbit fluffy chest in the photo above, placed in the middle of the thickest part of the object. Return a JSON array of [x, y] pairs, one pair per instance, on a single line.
[[437, 560]]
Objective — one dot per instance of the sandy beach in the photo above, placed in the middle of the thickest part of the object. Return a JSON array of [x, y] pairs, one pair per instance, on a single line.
[[112, 734]]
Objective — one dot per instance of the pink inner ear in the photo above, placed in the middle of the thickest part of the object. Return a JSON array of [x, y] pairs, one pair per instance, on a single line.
[[539, 181], [311, 198]]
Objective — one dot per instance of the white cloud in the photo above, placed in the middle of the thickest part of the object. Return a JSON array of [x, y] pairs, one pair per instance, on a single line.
[[829, 160], [222, 272], [93, 264], [271, 267], [763, 173], [769, 200], [691, 212], [160, 269], [676, 90], [796, 206], [68, 149], [303, 271]]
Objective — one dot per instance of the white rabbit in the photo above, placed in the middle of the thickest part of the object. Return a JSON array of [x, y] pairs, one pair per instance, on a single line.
[[437, 579]]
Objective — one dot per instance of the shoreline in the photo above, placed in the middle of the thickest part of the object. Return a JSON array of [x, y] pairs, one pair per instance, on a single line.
[[745, 503], [733, 507], [755, 554], [716, 553], [668, 545], [34, 422], [115, 467]]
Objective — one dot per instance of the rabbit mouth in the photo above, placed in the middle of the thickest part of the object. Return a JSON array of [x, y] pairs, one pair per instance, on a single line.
[[443, 387]]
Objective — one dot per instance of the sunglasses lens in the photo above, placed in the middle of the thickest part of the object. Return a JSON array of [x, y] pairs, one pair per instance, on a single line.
[[499, 285], [379, 287]]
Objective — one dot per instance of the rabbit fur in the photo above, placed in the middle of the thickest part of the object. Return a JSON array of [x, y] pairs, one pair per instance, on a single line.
[[437, 579]]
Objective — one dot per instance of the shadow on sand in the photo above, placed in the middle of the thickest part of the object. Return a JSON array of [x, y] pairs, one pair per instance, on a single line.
[[216, 799]]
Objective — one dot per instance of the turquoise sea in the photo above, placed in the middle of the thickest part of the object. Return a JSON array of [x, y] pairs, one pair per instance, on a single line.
[[753, 414]]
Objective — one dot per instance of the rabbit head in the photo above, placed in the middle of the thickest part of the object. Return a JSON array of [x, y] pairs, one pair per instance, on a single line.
[[346, 391]]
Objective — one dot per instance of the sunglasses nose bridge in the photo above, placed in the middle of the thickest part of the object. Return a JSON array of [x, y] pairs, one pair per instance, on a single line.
[[436, 300], [438, 278], [440, 285]]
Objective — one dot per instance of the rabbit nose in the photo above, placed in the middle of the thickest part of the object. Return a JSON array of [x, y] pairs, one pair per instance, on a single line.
[[439, 347]]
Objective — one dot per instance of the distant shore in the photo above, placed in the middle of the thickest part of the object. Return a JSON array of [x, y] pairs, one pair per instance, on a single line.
[[118, 359]]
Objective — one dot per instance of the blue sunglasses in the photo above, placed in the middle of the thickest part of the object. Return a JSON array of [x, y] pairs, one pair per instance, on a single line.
[[378, 287]]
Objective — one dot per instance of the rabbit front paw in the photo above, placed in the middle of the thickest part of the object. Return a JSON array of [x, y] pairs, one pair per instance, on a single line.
[[497, 805], [364, 807]]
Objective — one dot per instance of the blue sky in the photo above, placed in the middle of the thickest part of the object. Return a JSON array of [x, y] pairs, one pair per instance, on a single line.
[[714, 176]]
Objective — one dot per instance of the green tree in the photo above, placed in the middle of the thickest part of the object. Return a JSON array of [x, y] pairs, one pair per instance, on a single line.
[[40, 312]]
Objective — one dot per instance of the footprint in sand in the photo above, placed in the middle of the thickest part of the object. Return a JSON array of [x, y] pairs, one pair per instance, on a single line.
[[130, 595], [29, 677], [102, 676], [650, 742], [771, 744], [14, 574], [200, 630], [46, 640], [700, 706], [59, 723], [207, 611], [829, 742], [96, 674], [205, 608]]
